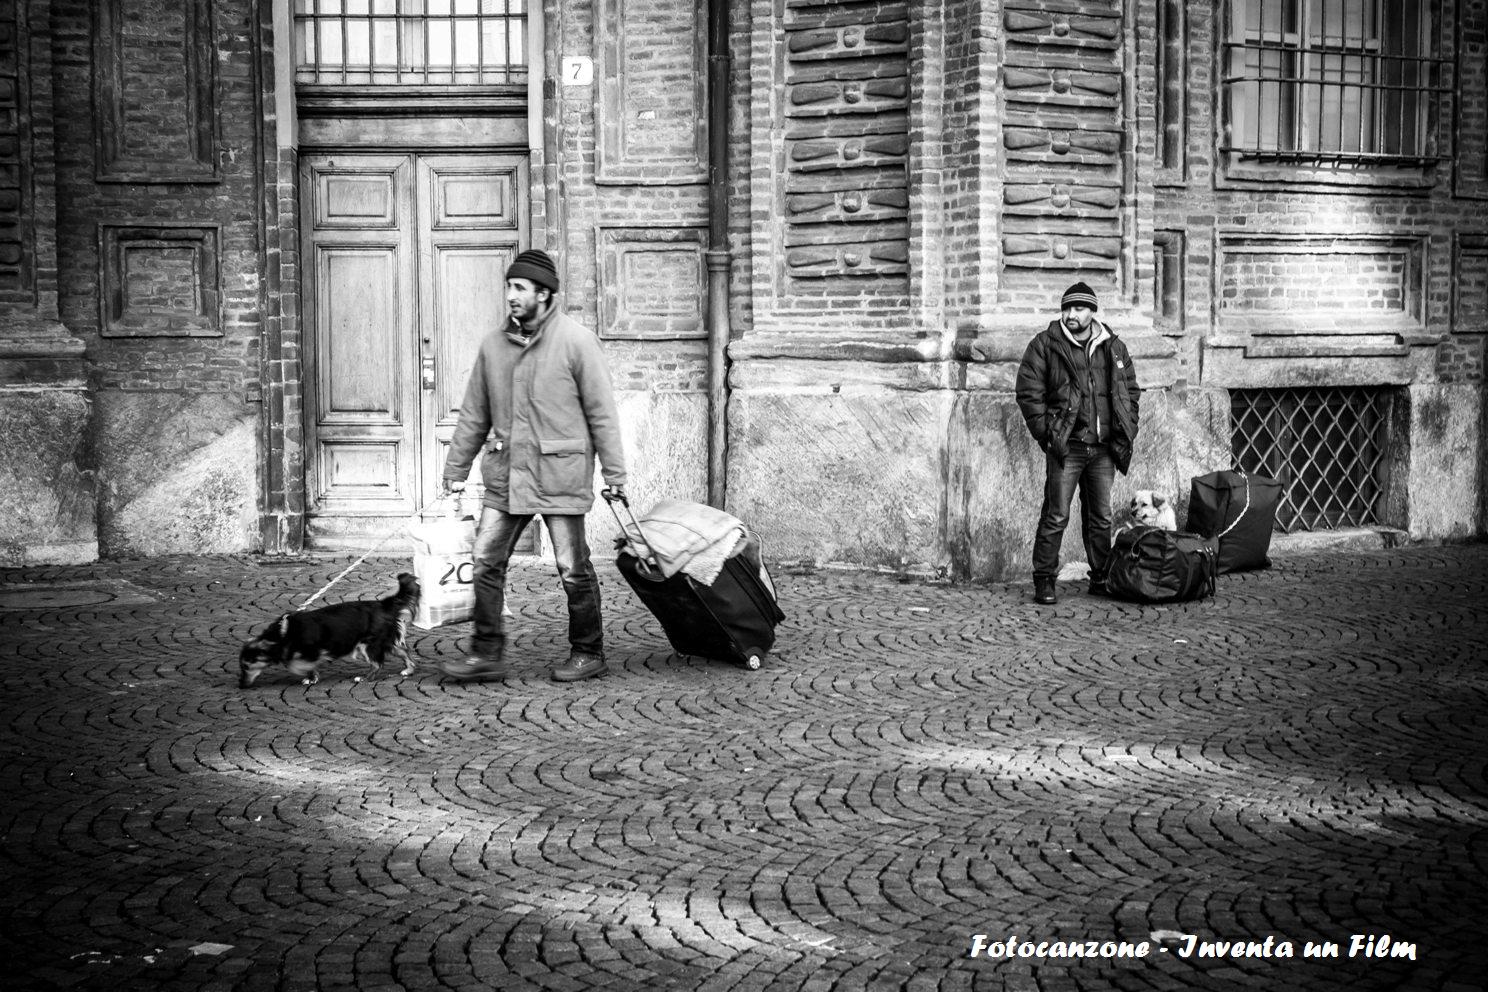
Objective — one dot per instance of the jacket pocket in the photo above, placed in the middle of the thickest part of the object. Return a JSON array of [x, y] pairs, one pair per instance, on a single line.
[[1060, 429], [563, 467], [496, 467]]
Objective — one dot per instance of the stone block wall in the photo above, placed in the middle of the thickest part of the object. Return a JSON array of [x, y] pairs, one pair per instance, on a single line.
[[47, 495], [1446, 470]]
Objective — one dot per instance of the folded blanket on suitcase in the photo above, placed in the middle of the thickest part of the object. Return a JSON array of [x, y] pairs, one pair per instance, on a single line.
[[688, 537]]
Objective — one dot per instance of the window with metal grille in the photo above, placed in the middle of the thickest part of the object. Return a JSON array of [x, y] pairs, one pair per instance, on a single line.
[[410, 42], [1321, 81], [1327, 446]]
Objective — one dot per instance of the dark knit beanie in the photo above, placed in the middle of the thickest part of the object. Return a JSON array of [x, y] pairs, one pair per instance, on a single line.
[[1079, 295], [536, 266]]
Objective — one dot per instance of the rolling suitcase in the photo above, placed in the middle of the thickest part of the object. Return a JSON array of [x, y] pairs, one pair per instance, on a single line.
[[731, 620]]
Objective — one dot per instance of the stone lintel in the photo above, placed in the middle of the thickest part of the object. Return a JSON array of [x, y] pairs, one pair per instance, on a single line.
[[1242, 368], [855, 344], [38, 353], [844, 374], [28, 334], [43, 372]]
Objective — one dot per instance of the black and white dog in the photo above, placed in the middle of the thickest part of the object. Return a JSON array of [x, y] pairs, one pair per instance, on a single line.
[[369, 630]]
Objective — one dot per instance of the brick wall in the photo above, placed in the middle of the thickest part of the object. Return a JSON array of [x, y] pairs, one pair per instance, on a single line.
[[221, 364], [1472, 97], [1209, 207], [17, 217], [971, 177], [632, 167], [177, 152], [639, 137], [1355, 284]]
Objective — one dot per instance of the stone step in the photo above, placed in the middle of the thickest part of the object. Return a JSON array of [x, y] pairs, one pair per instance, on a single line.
[[1342, 539]]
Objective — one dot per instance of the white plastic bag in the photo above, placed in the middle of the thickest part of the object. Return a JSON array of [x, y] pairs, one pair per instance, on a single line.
[[445, 569]]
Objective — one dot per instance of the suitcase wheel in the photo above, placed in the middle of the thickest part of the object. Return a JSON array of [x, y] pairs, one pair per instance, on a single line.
[[753, 661]]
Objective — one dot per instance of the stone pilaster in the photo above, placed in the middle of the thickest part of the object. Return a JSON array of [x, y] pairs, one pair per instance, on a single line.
[[47, 498]]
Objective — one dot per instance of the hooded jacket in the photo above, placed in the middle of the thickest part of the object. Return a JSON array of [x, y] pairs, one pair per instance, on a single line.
[[547, 406], [1050, 392]]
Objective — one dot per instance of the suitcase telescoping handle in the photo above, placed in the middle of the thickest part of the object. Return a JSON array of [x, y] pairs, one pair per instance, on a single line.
[[611, 497]]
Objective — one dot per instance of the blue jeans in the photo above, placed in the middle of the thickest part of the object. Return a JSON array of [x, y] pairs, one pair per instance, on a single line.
[[494, 540], [1090, 468]]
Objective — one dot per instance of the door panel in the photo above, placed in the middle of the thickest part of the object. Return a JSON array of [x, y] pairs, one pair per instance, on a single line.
[[359, 469], [363, 202], [405, 256], [358, 290]]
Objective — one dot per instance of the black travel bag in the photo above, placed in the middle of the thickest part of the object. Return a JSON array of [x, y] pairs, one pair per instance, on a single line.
[[731, 620], [1240, 511], [1152, 565]]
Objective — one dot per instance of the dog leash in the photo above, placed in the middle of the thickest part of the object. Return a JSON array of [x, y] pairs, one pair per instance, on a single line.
[[284, 620]]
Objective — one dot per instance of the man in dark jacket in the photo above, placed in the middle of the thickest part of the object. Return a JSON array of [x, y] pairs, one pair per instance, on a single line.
[[1077, 389]]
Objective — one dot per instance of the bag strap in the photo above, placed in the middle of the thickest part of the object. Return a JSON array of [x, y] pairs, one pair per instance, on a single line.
[[1241, 515]]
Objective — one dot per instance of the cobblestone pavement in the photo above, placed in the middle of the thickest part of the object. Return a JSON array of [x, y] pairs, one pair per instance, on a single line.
[[1303, 759]]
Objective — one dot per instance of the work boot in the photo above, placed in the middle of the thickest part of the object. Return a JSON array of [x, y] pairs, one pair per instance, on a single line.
[[580, 665], [1043, 592], [477, 667]]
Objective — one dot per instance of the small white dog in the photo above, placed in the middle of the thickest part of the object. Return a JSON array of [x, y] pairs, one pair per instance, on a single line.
[[1153, 510]]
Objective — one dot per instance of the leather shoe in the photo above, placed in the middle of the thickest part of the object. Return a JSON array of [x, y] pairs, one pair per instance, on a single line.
[[1099, 589], [1043, 592], [580, 666], [475, 668]]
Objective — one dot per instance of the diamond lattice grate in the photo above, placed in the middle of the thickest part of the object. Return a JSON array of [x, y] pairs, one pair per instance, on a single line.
[[1325, 445]]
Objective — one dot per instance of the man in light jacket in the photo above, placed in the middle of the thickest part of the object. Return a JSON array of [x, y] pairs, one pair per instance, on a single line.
[[540, 390], [1077, 390]]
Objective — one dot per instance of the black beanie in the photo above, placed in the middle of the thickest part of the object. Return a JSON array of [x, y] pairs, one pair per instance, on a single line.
[[536, 266], [1079, 295]]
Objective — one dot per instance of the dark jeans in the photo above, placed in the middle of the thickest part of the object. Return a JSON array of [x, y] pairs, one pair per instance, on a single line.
[[1090, 468], [494, 539]]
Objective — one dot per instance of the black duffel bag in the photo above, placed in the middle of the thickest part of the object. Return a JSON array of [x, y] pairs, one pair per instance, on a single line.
[[1152, 565], [1240, 511]]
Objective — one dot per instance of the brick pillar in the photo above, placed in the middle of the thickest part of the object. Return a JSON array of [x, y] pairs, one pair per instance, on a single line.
[[47, 498]]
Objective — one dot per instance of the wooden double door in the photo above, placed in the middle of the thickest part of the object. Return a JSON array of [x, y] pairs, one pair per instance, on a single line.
[[403, 259]]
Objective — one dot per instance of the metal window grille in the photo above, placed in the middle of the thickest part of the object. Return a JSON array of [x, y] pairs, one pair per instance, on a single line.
[[1331, 81], [1326, 446], [410, 42]]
